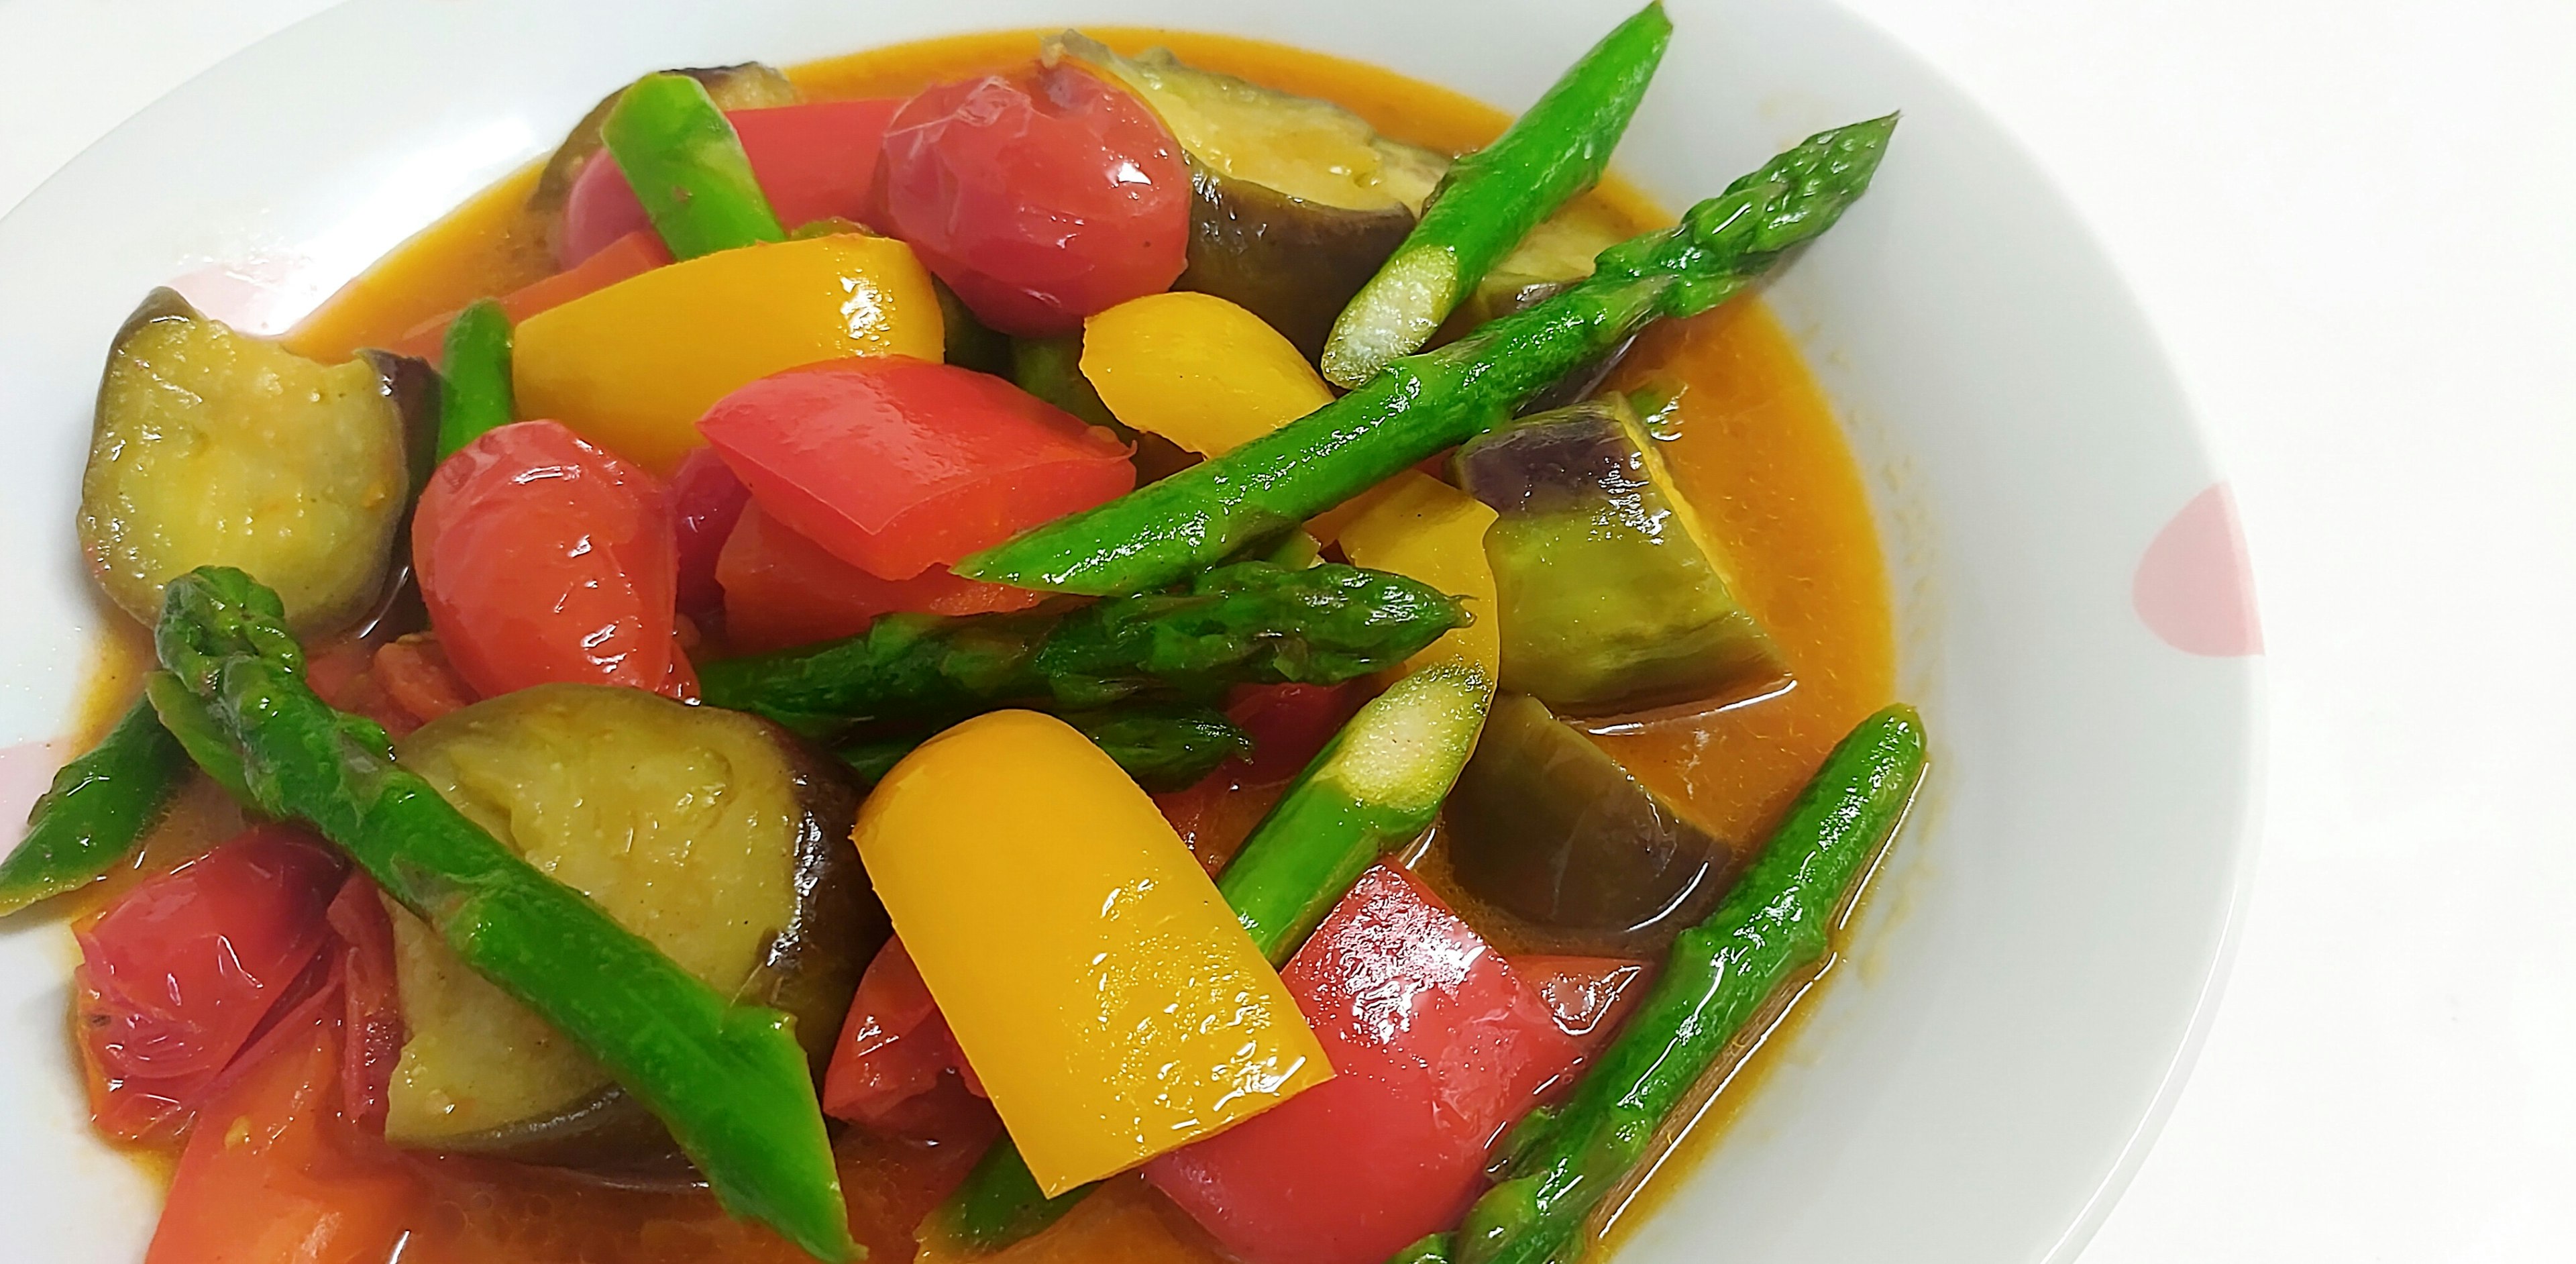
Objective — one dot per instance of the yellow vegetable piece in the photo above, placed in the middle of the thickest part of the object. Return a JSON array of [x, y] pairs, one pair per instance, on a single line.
[[1197, 370], [1107, 998], [631, 367], [1422, 528]]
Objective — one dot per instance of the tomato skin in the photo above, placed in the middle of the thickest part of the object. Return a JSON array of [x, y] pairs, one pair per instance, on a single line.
[[542, 558], [706, 501], [371, 1026], [1040, 198], [896, 1067], [896, 465], [177, 976], [814, 161], [1590, 996], [1437, 1047], [781, 589]]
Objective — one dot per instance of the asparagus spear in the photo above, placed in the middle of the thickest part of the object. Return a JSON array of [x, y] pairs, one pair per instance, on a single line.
[[1249, 621], [1375, 786], [99, 807], [1491, 198], [1424, 403], [729, 1080], [687, 167], [474, 393], [1721, 974], [1166, 748]]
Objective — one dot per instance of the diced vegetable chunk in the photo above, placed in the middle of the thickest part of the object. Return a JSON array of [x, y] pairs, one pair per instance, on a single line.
[[1106, 998], [709, 833], [687, 167], [212, 448], [896, 1066], [1040, 199], [707, 500], [782, 590], [634, 254], [1437, 1046], [814, 161], [897, 465], [743, 86], [632, 366], [1197, 370], [542, 558], [1424, 529]]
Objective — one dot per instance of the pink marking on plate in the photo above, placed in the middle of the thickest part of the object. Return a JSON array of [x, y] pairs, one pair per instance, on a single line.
[[2194, 588], [25, 770]]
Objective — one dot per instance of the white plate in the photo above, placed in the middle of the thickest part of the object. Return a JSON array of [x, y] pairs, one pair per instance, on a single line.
[[2035, 963]]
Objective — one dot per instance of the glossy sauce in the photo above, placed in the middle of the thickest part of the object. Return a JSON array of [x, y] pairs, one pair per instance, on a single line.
[[1752, 443]]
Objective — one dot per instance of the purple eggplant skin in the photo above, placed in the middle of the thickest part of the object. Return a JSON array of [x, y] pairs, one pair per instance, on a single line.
[[1545, 826]]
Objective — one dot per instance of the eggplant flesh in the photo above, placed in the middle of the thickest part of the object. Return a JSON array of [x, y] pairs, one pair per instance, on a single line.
[[1546, 826], [212, 447], [746, 85], [1610, 598], [715, 835], [1297, 201]]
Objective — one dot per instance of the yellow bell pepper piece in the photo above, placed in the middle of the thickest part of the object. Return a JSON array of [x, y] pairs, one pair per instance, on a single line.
[[1107, 998], [1197, 370], [632, 367], [1422, 528]]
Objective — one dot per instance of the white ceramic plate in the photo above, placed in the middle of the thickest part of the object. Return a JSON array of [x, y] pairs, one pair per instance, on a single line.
[[2032, 969]]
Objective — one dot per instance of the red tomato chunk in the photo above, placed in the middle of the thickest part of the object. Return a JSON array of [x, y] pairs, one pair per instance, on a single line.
[[1437, 1047], [1040, 199], [542, 558], [814, 161], [706, 501], [781, 589], [896, 1067], [895, 465], [176, 977]]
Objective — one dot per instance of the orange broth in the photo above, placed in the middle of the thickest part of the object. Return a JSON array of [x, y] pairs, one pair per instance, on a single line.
[[1753, 444]]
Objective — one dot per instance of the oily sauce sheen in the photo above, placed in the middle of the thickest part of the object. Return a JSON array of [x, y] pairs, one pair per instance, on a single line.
[[1756, 450]]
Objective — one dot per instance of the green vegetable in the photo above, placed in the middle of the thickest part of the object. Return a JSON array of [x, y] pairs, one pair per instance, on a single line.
[[967, 342], [1424, 403], [1163, 748], [687, 167], [1432, 1249], [1492, 198], [1051, 369], [1251, 621], [1720, 975], [1376, 785], [186, 718], [99, 807], [728, 1080], [474, 394]]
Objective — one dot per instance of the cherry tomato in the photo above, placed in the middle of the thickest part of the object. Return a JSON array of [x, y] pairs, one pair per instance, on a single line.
[[177, 976], [781, 589], [896, 465], [1040, 198], [542, 558], [814, 161], [1437, 1047], [706, 501]]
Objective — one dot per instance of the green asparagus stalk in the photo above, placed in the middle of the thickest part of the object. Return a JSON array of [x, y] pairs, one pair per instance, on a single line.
[[1163, 748], [1251, 621], [1720, 975], [99, 807], [1424, 403], [687, 167], [1491, 198], [728, 1080], [186, 718], [474, 395], [1375, 786]]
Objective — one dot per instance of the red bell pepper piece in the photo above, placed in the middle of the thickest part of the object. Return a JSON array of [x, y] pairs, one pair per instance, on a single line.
[[896, 1067], [896, 465], [632, 255], [178, 976], [1437, 1047], [781, 589], [814, 161]]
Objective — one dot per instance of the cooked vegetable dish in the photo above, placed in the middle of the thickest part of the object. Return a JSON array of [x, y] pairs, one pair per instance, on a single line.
[[1096, 646]]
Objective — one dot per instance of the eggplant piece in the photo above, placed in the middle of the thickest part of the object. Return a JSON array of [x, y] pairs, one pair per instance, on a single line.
[[715, 835], [1610, 596], [212, 447], [1297, 200], [1544, 825], [746, 85]]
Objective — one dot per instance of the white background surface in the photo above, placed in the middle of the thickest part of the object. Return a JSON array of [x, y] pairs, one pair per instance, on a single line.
[[2354, 223]]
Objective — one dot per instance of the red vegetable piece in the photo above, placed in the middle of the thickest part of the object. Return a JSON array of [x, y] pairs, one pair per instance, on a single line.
[[781, 589], [897, 1067], [814, 161], [274, 1172], [414, 672], [1590, 996], [1437, 1047], [1289, 724], [177, 976], [542, 558], [1039, 198], [372, 1026], [634, 254], [706, 502], [895, 465]]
